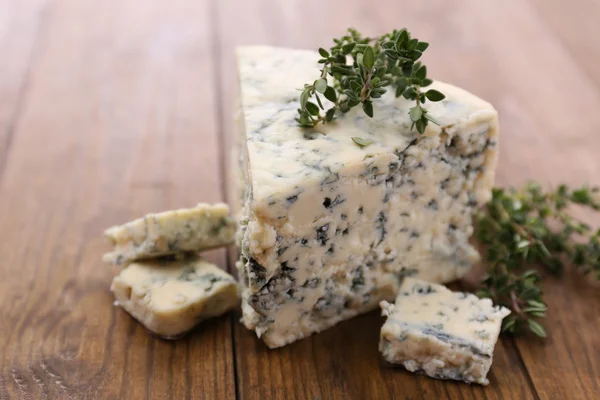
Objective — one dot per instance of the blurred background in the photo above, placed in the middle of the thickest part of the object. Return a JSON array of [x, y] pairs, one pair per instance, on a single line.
[[111, 109]]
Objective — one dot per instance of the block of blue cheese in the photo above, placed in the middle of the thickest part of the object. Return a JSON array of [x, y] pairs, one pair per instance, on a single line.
[[440, 333], [171, 296], [195, 229], [328, 228]]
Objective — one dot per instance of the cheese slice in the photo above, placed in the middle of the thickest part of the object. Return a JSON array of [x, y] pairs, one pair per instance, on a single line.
[[328, 228], [200, 228], [170, 297], [440, 333]]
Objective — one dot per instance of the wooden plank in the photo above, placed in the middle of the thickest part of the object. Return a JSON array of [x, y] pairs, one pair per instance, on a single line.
[[21, 24], [119, 86], [117, 122], [344, 360], [576, 26]]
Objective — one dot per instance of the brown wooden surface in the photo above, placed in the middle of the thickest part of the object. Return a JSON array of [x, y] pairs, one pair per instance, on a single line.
[[112, 109]]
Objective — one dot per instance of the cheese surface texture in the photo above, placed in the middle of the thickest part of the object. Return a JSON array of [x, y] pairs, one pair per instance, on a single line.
[[329, 229], [443, 334], [170, 297], [186, 230]]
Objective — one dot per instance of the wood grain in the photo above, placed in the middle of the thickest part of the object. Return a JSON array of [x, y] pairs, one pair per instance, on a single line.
[[20, 26], [117, 122], [112, 109], [581, 43], [344, 362]]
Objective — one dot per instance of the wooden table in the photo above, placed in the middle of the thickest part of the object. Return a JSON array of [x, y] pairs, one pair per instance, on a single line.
[[111, 109]]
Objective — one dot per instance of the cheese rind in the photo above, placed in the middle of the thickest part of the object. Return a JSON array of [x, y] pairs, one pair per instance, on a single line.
[[186, 230], [328, 228], [170, 297], [443, 334]]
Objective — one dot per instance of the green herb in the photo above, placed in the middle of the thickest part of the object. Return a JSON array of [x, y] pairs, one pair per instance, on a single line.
[[361, 68], [361, 142], [521, 228]]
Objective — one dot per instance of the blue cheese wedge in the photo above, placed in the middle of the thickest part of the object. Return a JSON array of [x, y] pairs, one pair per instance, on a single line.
[[200, 228], [440, 333], [170, 297], [330, 228]]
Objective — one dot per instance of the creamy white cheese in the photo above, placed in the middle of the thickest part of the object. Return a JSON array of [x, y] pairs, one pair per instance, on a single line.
[[329, 229], [443, 334], [194, 229], [170, 297]]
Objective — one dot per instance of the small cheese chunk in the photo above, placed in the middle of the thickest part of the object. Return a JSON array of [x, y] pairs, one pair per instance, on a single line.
[[171, 297], [329, 228], [187, 230], [443, 334]]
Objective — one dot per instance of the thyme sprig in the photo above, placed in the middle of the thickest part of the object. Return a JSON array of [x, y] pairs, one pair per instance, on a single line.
[[362, 68], [530, 226]]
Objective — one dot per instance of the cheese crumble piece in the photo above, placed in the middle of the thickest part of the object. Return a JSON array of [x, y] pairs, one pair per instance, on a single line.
[[171, 297], [328, 228], [186, 230], [440, 333]]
